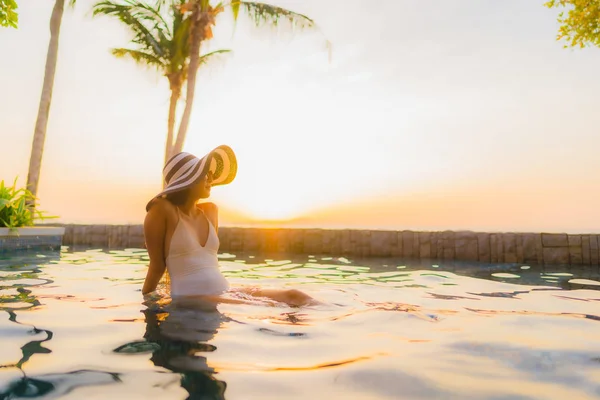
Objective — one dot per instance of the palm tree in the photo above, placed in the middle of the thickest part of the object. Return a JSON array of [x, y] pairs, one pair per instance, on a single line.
[[203, 16], [160, 42], [39, 135]]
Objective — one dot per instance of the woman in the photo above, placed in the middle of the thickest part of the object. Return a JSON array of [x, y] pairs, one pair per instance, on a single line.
[[182, 236]]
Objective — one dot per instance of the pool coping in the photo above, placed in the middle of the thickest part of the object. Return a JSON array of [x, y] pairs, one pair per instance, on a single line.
[[488, 247], [32, 231], [31, 238]]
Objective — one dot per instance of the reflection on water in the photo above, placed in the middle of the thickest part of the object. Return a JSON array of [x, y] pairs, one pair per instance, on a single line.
[[76, 326], [180, 338], [53, 386]]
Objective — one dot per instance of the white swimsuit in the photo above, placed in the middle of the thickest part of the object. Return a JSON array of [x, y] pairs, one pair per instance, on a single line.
[[193, 269]]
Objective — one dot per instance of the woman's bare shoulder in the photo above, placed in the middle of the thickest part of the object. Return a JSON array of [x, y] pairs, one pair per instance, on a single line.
[[208, 207], [211, 211], [161, 208]]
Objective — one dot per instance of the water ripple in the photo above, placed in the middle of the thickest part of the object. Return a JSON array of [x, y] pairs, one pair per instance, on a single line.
[[380, 322]]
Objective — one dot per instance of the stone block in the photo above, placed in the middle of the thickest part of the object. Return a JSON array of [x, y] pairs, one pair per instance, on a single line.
[[466, 246], [416, 246], [251, 240], [448, 245], [382, 243], [556, 255], [365, 243], [398, 251], [135, 230], [346, 242], [483, 247], [433, 240], [408, 242], [68, 236], [531, 242], [594, 250], [575, 255], [494, 248], [236, 239], [440, 245], [520, 251], [586, 253], [574, 240], [136, 237], [297, 241], [269, 240], [113, 236], [509, 247], [118, 236], [328, 243], [101, 229], [555, 240], [336, 245], [224, 237], [79, 233], [283, 240], [424, 245], [500, 247], [313, 241], [136, 242], [539, 249]]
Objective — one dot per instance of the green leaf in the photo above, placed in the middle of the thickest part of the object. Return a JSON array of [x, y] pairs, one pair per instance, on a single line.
[[580, 25], [235, 9], [14, 209], [8, 13]]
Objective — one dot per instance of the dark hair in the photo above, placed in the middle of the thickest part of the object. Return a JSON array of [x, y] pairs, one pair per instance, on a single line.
[[178, 198]]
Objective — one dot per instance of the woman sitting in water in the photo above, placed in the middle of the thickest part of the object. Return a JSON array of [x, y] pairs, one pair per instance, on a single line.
[[181, 235]]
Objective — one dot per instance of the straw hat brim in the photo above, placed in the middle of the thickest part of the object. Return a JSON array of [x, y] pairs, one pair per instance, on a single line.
[[184, 170]]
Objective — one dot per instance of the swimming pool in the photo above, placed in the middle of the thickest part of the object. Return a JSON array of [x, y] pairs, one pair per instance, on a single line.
[[73, 326]]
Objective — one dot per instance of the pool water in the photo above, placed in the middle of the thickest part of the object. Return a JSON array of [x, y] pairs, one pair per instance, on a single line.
[[74, 325]]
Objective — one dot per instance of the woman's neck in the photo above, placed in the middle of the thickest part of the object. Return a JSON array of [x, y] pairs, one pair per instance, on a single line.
[[189, 207]]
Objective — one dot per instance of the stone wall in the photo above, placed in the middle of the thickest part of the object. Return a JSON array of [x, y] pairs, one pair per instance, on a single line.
[[534, 248]]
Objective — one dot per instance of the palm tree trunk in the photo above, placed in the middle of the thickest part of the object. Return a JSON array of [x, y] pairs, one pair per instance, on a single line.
[[175, 95], [196, 36], [39, 136]]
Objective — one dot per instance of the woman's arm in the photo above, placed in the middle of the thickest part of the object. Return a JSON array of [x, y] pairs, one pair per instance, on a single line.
[[155, 227]]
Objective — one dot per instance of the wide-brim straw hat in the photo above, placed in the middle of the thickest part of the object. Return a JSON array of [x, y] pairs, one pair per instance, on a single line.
[[184, 170]]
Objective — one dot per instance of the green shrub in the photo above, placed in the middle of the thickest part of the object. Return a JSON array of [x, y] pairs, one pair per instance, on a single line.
[[18, 207]]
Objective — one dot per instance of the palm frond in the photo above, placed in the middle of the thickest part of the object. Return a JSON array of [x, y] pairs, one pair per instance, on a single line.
[[180, 49], [204, 58], [129, 13], [266, 14], [139, 57], [235, 9], [150, 14]]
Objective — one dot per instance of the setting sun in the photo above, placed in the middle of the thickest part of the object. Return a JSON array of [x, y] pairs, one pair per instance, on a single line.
[[271, 209]]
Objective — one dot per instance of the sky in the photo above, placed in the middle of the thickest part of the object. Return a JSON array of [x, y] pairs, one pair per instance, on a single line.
[[461, 114]]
